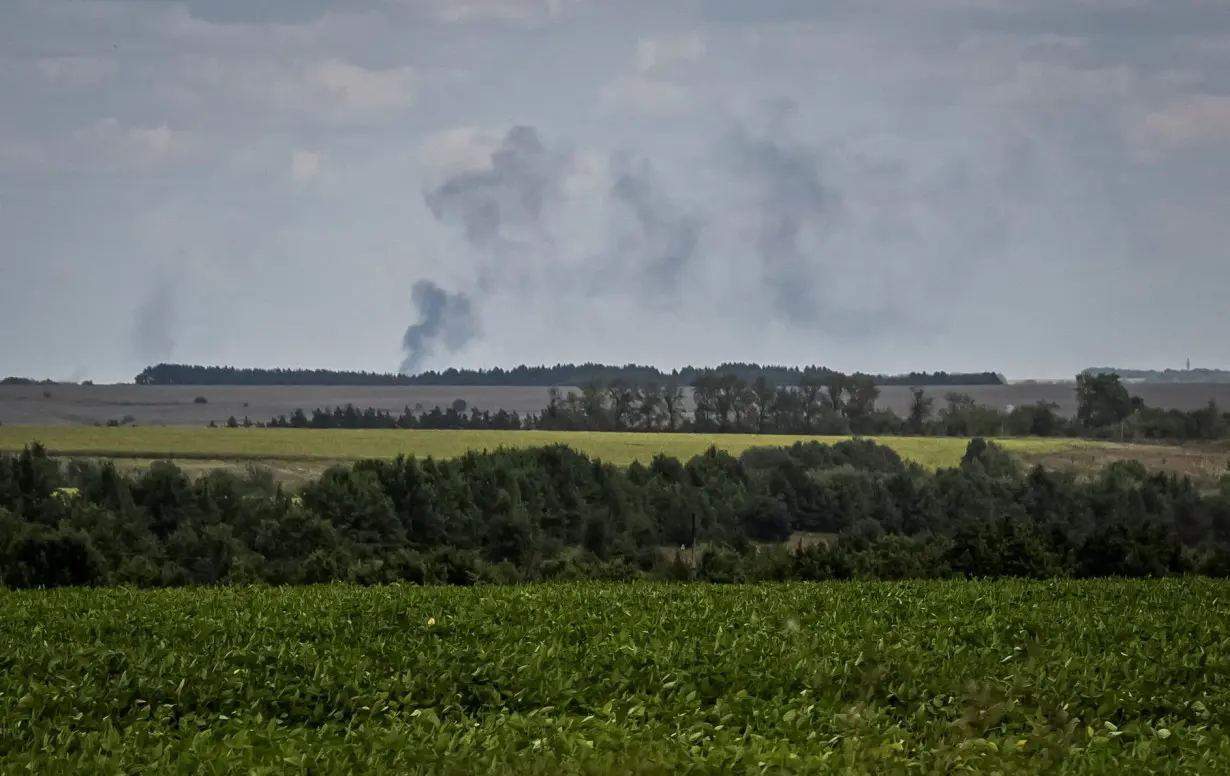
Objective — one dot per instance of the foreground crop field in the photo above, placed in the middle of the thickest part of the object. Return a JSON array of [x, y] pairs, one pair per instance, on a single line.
[[1008, 677], [344, 444]]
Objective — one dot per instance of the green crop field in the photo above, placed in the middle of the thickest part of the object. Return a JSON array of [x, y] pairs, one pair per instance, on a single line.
[[344, 444], [1005, 677]]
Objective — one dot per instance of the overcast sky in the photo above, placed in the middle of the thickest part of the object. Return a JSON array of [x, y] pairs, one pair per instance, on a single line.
[[881, 185]]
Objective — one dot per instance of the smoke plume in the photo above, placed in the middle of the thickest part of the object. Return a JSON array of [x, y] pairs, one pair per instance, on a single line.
[[797, 214], [155, 321], [504, 211], [665, 239], [791, 202], [492, 205], [446, 320]]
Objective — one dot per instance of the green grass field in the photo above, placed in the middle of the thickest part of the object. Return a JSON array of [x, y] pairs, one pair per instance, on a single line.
[[965, 677], [307, 444]]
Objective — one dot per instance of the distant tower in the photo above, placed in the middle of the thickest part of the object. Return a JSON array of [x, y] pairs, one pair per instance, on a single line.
[[1189, 364]]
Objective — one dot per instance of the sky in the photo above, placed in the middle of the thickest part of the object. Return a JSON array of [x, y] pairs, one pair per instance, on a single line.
[[875, 185]]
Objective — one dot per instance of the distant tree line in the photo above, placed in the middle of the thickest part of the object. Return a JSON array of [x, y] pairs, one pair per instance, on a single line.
[[1197, 375], [822, 404], [810, 511], [533, 376], [184, 374]]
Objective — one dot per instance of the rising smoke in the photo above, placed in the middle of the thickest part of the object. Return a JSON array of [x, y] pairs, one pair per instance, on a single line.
[[664, 239], [504, 212], [504, 204], [447, 321], [155, 321], [498, 210], [792, 203], [796, 213]]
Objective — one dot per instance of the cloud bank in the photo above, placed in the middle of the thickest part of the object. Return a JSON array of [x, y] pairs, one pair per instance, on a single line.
[[876, 186]]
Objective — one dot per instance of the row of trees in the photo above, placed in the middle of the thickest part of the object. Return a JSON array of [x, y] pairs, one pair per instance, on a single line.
[[855, 508], [541, 376], [457, 416], [822, 403], [829, 403]]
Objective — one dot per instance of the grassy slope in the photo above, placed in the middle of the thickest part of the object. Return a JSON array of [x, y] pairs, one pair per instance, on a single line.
[[329, 445]]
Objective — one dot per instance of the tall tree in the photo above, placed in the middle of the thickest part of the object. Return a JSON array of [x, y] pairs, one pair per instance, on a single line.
[[1102, 400], [623, 399], [594, 405], [764, 396], [672, 405], [921, 406]]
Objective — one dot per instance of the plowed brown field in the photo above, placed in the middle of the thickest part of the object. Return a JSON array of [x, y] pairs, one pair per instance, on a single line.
[[174, 405]]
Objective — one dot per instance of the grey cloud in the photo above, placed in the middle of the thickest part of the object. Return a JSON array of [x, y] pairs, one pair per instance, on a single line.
[[1074, 17], [447, 321], [468, 12], [773, 11], [1100, 20], [270, 11], [949, 164]]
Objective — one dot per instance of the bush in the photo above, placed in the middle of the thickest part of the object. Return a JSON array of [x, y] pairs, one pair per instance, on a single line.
[[40, 557]]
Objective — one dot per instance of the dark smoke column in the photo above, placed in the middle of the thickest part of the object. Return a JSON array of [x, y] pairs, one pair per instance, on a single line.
[[523, 177], [446, 320]]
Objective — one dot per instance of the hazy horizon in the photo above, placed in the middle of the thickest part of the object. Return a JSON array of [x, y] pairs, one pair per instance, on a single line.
[[886, 187], [1009, 378]]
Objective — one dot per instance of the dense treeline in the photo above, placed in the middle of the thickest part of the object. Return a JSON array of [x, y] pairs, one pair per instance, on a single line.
[[552, 513], [541, 376], [184, 374], [825, 404]]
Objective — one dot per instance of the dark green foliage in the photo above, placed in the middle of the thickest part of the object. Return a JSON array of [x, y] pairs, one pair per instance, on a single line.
[[990, 459], [765, 519], [720, 563], [33, 555], [553, 513]]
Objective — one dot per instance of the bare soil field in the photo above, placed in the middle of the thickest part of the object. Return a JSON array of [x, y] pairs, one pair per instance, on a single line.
[[1205, 463], [157, 405], [176, 406]]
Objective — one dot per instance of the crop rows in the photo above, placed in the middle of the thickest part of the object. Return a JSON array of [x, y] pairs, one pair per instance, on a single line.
[[1126, 677]]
